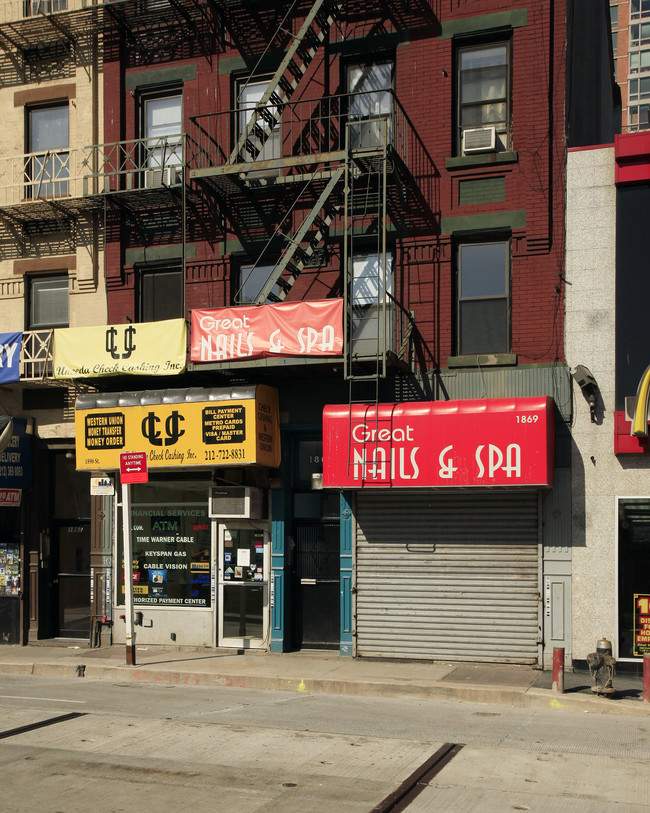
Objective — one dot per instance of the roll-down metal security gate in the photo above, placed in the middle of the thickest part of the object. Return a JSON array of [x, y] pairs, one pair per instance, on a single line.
[[448, 576]]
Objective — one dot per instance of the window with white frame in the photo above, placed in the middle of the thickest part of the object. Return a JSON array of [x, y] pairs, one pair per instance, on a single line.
[[639, 61], [373, 320], [48, 302], [639, 9], [265, 144], [483, 93], [371, 104], [47, 167], [483, 308], [639, 35], [162, 123]]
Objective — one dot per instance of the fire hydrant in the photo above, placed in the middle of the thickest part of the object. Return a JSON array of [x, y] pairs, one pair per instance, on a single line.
[[602, 667]]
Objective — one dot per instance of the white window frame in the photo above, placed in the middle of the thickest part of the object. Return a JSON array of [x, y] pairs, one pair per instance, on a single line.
[[162, 131], [371, 108], [249, 94]]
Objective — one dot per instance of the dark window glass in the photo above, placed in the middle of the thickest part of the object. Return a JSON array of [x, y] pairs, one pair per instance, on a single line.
[[161, 294], [171, 544], [48, 305], [252, 278], [634, 577], [483, 323], [47, 167]]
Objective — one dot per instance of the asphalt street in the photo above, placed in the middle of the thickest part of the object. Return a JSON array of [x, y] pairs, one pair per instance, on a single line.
[[145, 747]]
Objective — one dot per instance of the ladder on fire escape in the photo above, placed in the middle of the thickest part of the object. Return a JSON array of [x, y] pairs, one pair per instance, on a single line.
[[268, 111], [368, 271]]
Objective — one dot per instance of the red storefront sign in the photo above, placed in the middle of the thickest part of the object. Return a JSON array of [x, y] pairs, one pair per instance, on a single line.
[[288, 329], [10, 496], [482, 442]]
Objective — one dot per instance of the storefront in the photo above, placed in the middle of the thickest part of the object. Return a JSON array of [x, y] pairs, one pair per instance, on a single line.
[[200, 523], [632, 437], [15, 486], [447, 531]]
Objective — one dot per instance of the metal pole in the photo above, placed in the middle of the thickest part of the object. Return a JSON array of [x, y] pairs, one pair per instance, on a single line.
[[646, 679], [558, 669], [128, 573]]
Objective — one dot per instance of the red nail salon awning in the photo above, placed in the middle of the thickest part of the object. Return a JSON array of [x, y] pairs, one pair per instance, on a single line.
[[440, 444]]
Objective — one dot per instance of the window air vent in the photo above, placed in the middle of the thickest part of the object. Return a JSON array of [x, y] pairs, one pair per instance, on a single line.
[[481, 139], [167, 176]]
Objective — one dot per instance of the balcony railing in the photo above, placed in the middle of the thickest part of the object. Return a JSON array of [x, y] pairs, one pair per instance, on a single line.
[[50, 175], [36, 355], [304, 130], [14, 10], [141, 163], [57, 175]]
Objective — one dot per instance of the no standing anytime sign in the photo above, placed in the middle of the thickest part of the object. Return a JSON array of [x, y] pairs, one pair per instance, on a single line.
[[133, 468]]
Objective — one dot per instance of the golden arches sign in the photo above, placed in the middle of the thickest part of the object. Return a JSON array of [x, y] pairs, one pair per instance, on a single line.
[[640, 419]]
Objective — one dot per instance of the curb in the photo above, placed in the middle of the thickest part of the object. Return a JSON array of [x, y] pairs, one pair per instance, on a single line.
[[525, 698]]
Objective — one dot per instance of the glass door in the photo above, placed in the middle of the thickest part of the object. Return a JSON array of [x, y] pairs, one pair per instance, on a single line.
[[243, 585]]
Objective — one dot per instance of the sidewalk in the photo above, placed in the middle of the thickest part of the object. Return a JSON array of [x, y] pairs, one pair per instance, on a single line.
[[326, 672]]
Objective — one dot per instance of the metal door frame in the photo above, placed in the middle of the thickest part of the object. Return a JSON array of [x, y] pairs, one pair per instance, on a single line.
[[243, 643]]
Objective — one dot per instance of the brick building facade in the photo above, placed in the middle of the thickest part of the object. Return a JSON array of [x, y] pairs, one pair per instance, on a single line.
[[406, 161]]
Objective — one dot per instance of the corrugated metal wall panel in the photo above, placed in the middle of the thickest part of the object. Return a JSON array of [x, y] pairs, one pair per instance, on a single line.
[[448, 576]]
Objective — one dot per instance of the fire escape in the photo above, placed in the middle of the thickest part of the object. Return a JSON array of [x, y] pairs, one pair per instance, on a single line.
[[43, 205], [141, 181], [324, 172]]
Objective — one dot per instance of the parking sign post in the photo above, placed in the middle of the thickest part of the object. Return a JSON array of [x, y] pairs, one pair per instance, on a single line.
[[133, 469]]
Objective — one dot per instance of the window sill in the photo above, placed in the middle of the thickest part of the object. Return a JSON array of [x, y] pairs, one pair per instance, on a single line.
[[484, 159], [486, 360]]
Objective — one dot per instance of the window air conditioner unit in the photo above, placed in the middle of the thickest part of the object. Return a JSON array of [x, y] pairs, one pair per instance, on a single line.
[[235, 502], [481, 139], [167, 176]]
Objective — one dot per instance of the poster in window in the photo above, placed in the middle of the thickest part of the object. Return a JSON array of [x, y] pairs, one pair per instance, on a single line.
[[171, 555], [641, 624]]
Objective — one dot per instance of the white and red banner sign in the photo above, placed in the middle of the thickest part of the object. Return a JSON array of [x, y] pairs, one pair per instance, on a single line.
[[248, 332], [482, 442]]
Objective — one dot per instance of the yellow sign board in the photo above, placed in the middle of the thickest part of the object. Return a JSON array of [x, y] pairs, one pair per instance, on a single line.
[[235, 431], [149, 348]]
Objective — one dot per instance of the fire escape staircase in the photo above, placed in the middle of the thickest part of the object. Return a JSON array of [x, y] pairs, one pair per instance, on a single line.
[[303, 49], [264, 119], [295, 257]]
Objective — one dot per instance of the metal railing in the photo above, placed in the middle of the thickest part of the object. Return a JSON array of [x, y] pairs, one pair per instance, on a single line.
[[102, 168], [139, 163], [301, 130], [42, 176], [637, 126], [36, 355], [13, 10]]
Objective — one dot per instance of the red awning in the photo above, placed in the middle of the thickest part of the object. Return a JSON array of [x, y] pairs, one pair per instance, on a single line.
[[478, 442]]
